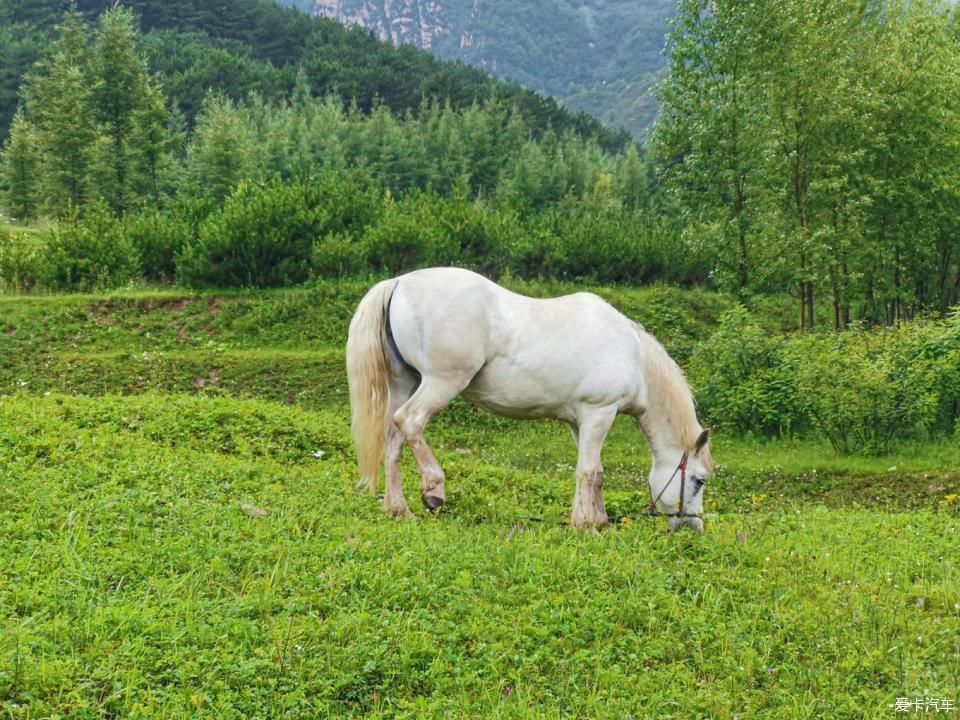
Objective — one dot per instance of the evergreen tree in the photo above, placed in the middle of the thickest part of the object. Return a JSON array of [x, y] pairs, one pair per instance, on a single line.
[[58, 100], [121, 92], [20, 170], [152, 142], [221, 154]]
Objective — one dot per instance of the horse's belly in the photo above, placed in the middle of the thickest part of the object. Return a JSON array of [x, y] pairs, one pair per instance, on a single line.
[[523, 398], [504, 408]]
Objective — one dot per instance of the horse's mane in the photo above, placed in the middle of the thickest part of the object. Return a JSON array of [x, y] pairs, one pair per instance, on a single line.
[[669, 391]]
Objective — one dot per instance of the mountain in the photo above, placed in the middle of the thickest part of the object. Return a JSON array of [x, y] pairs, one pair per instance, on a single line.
[[598, 56], [244, 46]]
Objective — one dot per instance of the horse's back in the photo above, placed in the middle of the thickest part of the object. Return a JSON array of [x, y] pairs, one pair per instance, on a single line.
[[516, 355]]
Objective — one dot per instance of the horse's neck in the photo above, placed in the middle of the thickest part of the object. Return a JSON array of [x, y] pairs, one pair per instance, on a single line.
[[669, 420], [663, 435]]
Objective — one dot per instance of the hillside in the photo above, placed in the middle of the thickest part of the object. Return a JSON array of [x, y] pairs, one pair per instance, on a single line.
[[597, 56], [258, 46]]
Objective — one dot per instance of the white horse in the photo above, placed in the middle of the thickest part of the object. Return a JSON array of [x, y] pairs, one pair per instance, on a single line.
[[419, 340]]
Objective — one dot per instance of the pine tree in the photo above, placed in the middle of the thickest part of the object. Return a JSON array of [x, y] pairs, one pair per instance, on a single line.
[[58, 101], [19, 170], [220, 155], [121, 92]]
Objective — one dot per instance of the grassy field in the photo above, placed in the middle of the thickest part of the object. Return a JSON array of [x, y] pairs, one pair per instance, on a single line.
[[181, 538]]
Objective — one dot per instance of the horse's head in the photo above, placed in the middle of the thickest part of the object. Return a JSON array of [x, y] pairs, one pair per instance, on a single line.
[[678, 487]]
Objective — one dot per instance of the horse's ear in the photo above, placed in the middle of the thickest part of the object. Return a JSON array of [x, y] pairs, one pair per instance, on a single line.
[[702, 441]]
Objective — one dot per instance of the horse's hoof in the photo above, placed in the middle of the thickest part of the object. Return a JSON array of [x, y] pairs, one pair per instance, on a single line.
[[401, 512], [432, 502]]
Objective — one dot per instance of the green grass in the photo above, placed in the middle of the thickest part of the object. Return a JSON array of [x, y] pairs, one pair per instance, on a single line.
[[32, 232], [139, 579]]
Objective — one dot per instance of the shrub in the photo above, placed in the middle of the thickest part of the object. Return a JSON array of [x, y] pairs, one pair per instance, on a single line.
[[940, 349], [89, 253], [158, 238], [743, 379], [338, 255], [425, 229], [19, 262], [409, 235], [862, 388], [608, 245], [264, 234]]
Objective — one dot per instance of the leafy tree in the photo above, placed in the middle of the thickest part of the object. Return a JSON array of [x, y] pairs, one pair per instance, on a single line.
[[707, 138], [815, 146]]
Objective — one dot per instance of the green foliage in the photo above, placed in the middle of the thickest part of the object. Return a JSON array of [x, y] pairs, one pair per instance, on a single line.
[[817, 151], [941, 353], [92, 252], [221, 154], [264, 234], [19, 170], [158, 237], [121, 94], [596, 239], [19, 261], [863, 389], [59, 101], [744, 380], [424, 229]]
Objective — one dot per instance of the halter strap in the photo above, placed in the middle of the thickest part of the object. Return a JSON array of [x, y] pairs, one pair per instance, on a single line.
[[682, 469]]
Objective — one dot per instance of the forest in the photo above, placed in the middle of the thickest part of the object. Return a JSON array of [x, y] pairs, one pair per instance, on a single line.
[[775, 166]]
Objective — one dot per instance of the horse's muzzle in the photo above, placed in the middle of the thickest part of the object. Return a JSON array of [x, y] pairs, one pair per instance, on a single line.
[[432, 502], [693, 522]]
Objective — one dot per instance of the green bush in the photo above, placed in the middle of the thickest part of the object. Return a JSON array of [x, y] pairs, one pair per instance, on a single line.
[[338, 255], [861, 389], [940, 349], [864, 388], [407, 236], [744, 380], [264, 235], [19, 262], [577, 239], [425, 229], [89, 253], [158, 238]]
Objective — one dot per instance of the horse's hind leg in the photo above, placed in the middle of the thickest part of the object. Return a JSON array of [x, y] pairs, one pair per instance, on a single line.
[[394, 502], [434, 394], [588, 506]]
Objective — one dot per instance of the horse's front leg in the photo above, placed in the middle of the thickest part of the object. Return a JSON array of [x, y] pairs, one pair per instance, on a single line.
[[434, 394], [588, 506]]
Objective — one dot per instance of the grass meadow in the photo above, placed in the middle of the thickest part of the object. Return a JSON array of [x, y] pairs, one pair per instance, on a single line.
[[181, 538]]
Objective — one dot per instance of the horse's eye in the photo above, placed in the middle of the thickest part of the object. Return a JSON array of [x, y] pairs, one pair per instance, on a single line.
[[698, 481]]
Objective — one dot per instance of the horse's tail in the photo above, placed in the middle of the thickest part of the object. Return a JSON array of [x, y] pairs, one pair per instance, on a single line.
[[368, 372]]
